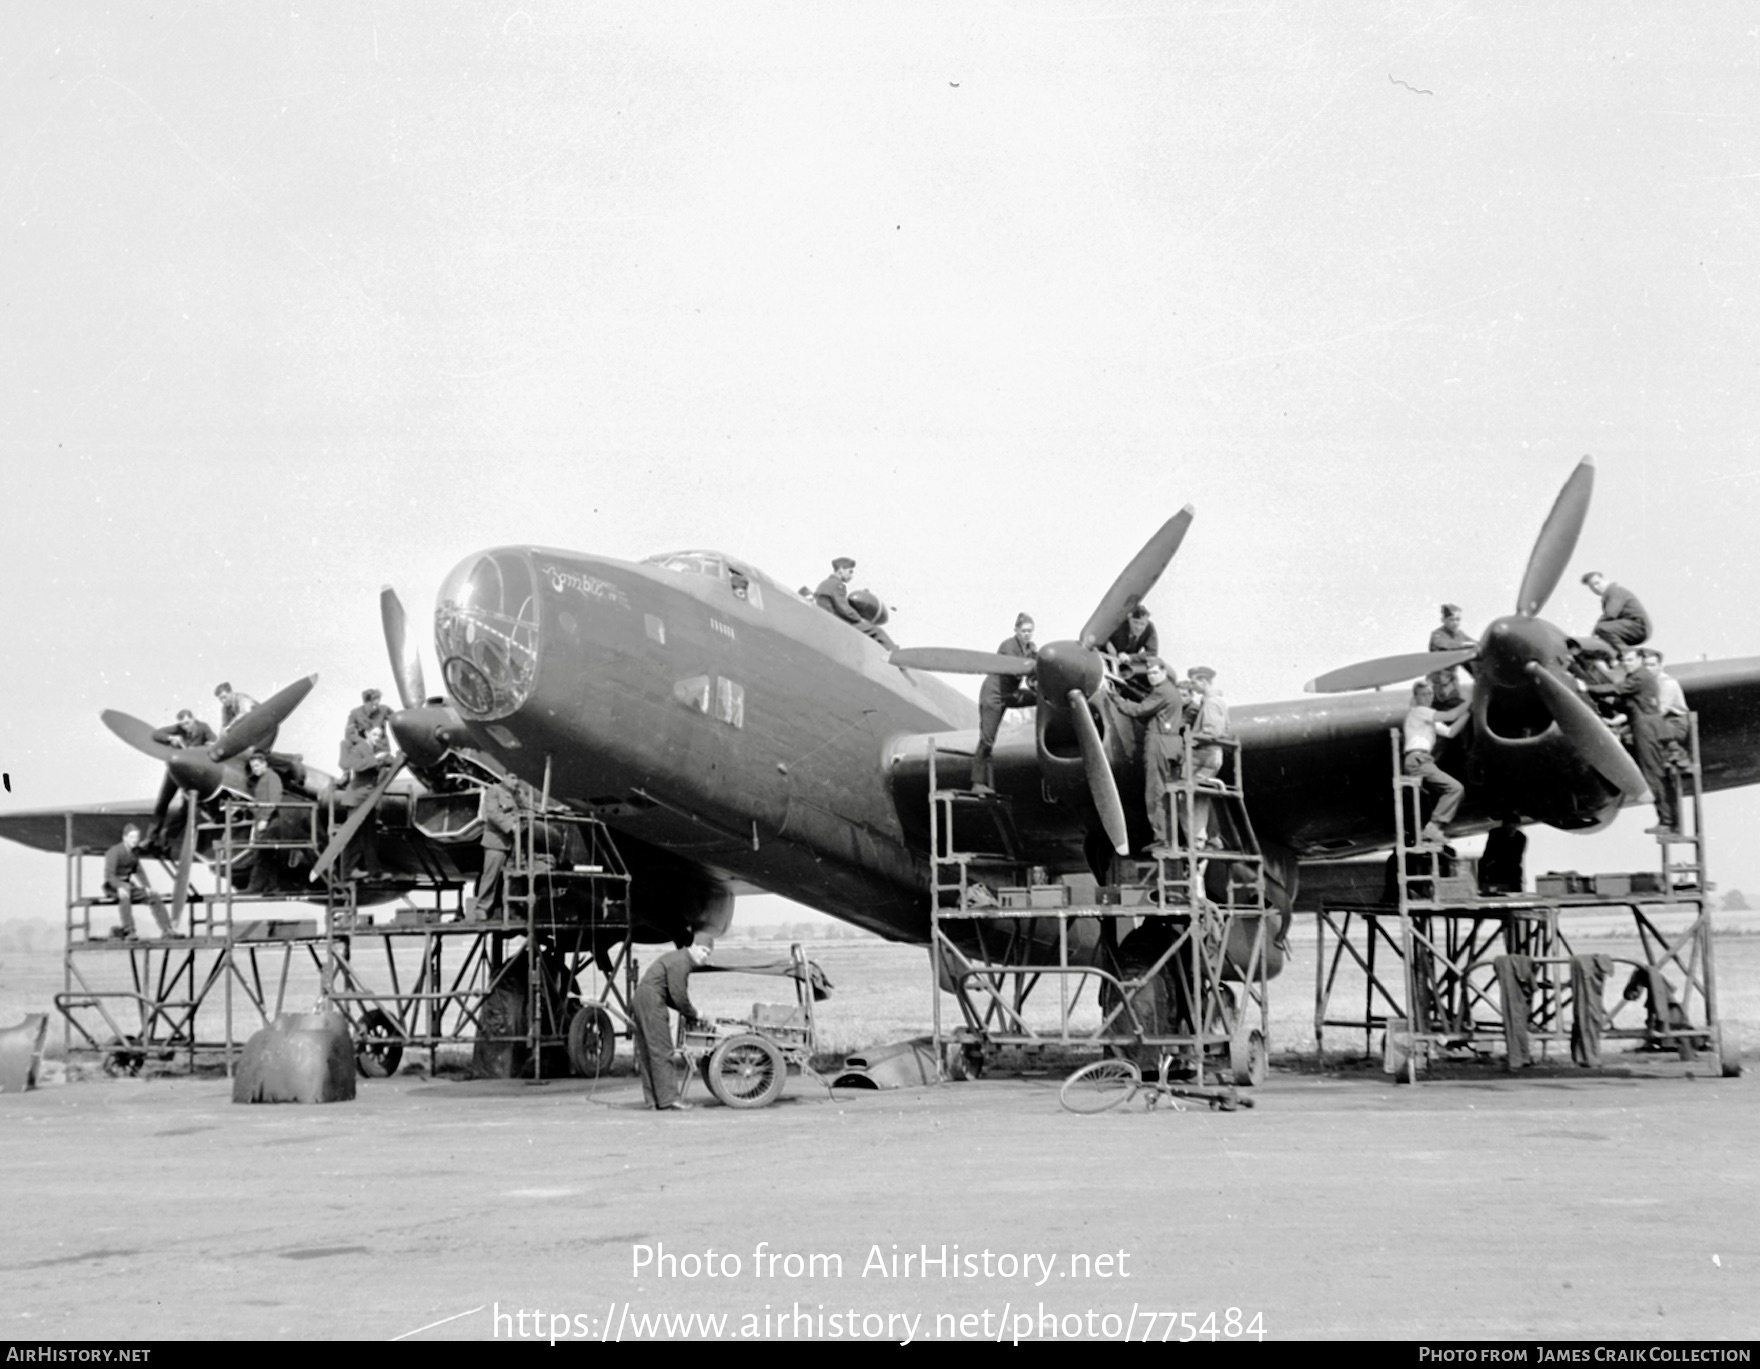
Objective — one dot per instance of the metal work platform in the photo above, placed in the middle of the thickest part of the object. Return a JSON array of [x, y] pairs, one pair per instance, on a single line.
[[474, 983], [1168, 957], [134, 999], [1447, 972], [420, 975]]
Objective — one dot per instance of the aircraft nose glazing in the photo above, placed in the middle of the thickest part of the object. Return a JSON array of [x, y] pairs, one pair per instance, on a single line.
[[486, 633]]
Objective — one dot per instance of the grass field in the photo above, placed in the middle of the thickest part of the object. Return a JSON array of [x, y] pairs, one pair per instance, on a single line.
[[881, 991]]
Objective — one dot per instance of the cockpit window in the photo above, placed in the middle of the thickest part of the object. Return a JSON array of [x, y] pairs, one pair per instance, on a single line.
[[692, 563], [743, 583]]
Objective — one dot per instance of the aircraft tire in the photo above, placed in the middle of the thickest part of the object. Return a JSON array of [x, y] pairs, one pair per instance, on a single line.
[[592, 1041], [747, 1071], [1247, 1057], [1141, 949], [379, 1045]]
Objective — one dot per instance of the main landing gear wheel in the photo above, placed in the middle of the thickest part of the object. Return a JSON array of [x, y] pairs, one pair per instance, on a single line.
[[592, 1041], [1099, 1086], [1247, 1057], [747, 1071], [965, 1062], [379, 1045]]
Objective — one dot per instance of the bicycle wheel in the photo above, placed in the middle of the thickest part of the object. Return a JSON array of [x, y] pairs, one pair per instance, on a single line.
[[1101, 1085]]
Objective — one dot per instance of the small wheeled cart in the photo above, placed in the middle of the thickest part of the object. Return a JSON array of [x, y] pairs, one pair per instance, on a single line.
[[745, 1060]]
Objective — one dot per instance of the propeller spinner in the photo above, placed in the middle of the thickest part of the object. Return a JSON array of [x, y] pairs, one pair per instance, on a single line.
[[1069, 674]]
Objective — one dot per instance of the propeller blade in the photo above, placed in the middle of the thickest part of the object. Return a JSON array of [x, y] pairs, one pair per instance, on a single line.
[[953, 660], [137, 734], [1100, 781], [1137, 579], [1387, 670], [406, 656], [254, 726], [356, 820], [1557, 540], [186, 859], [1585, 730]]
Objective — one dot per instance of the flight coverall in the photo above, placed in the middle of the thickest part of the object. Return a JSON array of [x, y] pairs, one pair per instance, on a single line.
[[1163, 714], [666, 984], [1622, 623], [998, 694], [500, 829], [1639, 693], [123, 880]]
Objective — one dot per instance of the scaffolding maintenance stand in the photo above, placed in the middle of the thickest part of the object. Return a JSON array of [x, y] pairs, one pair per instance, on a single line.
[[538, 986], [131, 1000], [1174, 969], [427, 977], [1445, 971]]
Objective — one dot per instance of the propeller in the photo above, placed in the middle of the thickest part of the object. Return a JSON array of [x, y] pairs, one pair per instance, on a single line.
[[137, 734], [406, 657], [1546, 563], [1388, 670], [1583, 727], [425, 730], [356, 820], [953, 660], [1136, 580], [1070, 673], [262, 720], [1101, 784], [1557, 540], [185, 860]]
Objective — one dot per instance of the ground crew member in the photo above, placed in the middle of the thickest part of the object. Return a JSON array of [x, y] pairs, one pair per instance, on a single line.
[[1500, 867], [999, 694], [1134, 642], [234, 706], [1162, 711], [1640, 695], [1210, 720], [1672, 714], [267, 825], [1447, 683], [833, 596], [186, 733], [500, 832], [1423, 726], [666, 984], [371, 713], [1623, 622], [125, 881]]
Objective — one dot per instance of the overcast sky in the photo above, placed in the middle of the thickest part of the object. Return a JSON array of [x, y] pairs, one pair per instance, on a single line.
[[300, 301]]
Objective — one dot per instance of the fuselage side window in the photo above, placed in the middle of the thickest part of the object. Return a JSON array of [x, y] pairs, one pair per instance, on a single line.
[[693, 692], [730, 702]]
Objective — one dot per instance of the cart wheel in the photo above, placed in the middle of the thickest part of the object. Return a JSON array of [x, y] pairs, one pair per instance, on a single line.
[[747, 1071], [592, 1041], [1246, 1057], [379, 1048], [1728, 1040], [1101, 1085]]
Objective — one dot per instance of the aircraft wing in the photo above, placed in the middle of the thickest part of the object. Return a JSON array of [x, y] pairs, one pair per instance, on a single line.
[[96, 826], [1726, 696]]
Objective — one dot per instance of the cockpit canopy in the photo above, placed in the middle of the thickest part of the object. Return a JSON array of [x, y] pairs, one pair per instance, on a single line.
[[745, 582]]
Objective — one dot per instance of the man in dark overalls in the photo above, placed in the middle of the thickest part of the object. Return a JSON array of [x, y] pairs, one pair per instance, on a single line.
[[665, 985], [1163, 712]]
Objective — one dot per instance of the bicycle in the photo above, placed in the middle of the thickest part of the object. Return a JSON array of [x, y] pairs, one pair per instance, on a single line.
[[1102, 1085]]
